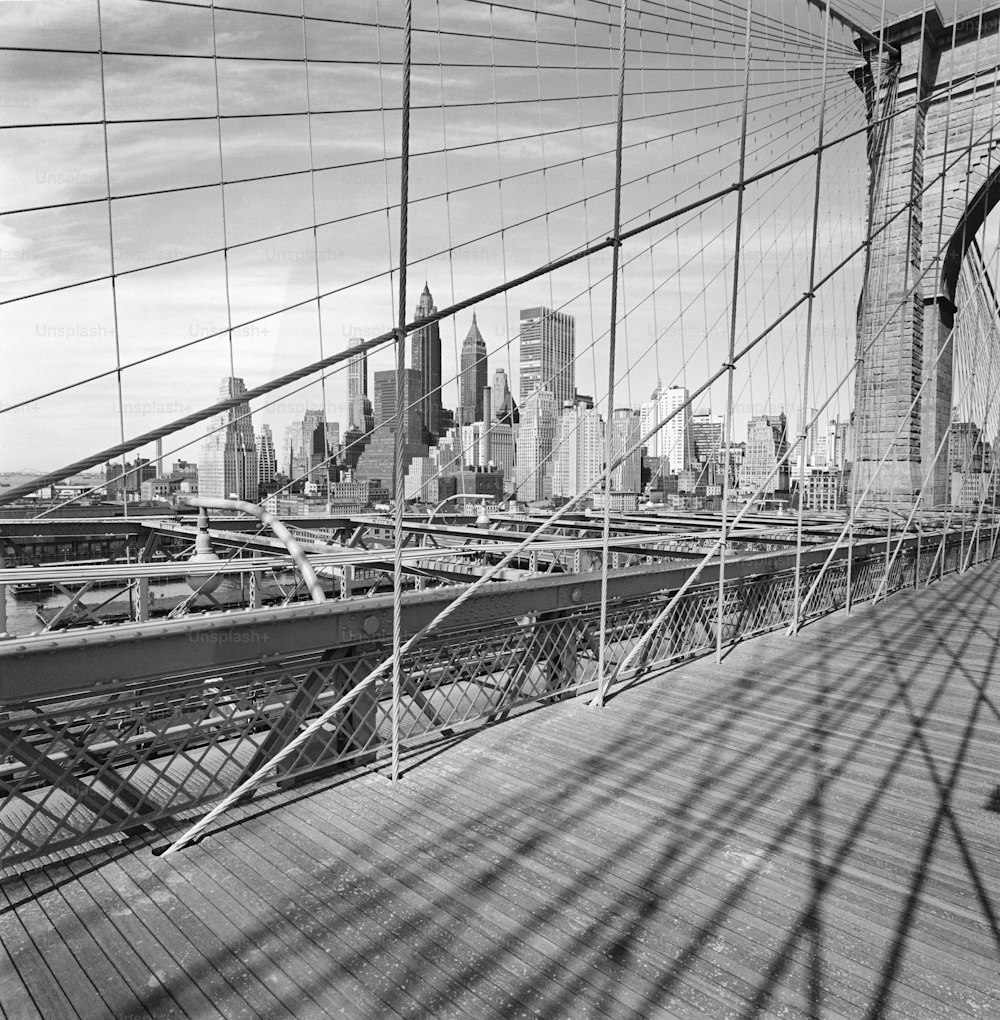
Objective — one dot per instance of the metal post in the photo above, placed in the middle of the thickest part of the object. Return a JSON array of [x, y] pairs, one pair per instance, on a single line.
[[602, 678], [850, 564], [809, 326], [730, 361], [280, 532], [400, 501], [142, 599]]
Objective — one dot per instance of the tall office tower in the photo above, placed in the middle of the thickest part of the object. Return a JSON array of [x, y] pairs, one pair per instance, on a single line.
[[486, 420], [841, 443], [384, 387], [310, 464], [674, 441], [707, 437], [767, 443], [578, 452], [383, 397], [228, 464], [357, 381], [800, 421], [362, 415], [425, 358], [548, 353], [377, 460], [502, 450], [677, 444], [472, 380], [332, 435], [823, 447], [624, 436], [291, 450], [533, 459], [504, 406], [267, 463], [501, 391], [649, 418]]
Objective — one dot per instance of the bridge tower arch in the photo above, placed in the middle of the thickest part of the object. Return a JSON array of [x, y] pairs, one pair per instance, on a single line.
[[931, 91]]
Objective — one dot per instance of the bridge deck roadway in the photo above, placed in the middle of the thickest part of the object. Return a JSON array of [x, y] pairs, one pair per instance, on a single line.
[[809, 829]]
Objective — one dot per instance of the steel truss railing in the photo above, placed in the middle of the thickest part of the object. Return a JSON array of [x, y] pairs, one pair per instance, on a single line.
[[105, 593], [85, 756]]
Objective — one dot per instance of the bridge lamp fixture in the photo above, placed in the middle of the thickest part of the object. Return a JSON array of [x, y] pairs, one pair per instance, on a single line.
[[204, 558]]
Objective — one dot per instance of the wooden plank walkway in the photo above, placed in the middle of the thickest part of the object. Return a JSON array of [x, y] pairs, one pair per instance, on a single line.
[[810, 829]]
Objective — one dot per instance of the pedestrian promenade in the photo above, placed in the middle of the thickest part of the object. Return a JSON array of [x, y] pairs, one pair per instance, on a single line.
[[809, 829]]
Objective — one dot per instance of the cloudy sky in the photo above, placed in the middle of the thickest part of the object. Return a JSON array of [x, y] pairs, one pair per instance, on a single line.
[[512, 135]]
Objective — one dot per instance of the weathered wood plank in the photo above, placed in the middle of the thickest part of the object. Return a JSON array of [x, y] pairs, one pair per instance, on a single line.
[[771, 836]]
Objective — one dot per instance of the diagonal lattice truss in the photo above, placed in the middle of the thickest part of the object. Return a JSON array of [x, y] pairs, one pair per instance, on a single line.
[[82, 766]]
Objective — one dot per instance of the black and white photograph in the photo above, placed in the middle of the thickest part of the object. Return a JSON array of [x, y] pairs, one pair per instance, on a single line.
[[500, 509]]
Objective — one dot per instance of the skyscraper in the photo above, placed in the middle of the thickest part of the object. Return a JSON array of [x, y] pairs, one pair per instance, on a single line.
[[533, 463], [649, 418], [376, 462], [266, 460], [624, 435], [228, 464], [707, 439], [362, 416], [548, 351], [425, 358], [504, 407], [674, 441], [357, 383], [311, 462], [384, 387], [578, 450], [767, 443], [801, 419], [472, 381]]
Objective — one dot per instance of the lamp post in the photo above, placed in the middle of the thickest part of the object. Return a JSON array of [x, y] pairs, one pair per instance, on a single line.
[[281, 532], [482, 521], [207, 561]]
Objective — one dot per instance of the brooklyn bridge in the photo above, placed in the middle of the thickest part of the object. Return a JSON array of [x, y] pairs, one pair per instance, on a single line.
[[632, 656]]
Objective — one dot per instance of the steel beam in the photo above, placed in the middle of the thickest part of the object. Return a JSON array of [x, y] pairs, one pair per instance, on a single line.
[[51, 664]]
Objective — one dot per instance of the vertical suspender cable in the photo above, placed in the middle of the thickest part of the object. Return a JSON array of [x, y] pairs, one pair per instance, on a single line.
[[959, 563], [451, 274], [385, 166], [222, 194], [315, 234], [397, 560], [608, 427], [730, 360], [111, 256], [942, 549], [804, 404], [990, 487], [984, 409]]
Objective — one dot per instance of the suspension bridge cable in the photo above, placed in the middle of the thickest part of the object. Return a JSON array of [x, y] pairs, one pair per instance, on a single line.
[[613, 323], [311, 369], [287, 233], [580, 252], [111, 248], [452, 32]]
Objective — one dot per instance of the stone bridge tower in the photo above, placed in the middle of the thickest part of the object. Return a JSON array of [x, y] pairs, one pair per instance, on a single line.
[[934, 143]]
